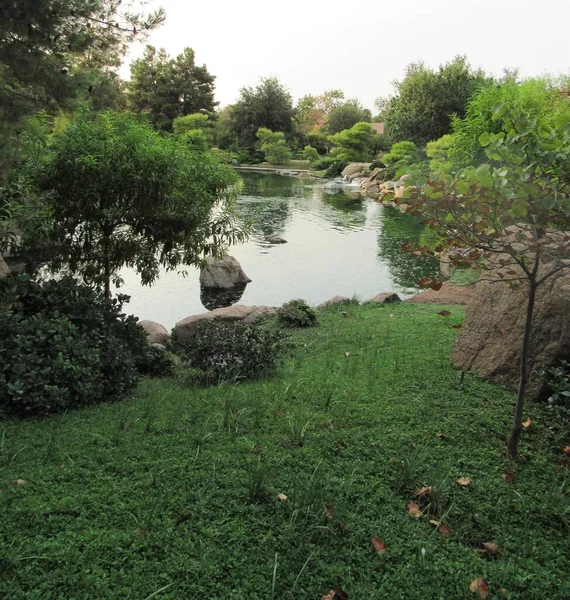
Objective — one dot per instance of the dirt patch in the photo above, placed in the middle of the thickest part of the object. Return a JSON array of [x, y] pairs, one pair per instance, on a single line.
[[448, 294]]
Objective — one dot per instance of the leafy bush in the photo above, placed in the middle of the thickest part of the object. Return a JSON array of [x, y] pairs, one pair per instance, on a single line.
[[310, 154], [336, 168], [156, 362], [557, 382], [323, 163], [232, 351], [401, 155], [62, 346], [296, 313]]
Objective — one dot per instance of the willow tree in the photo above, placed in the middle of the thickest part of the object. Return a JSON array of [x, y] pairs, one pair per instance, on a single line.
[[120, 195], [511, 217]]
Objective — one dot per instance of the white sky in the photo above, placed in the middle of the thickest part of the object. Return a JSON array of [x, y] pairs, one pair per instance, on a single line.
[[359, 47]]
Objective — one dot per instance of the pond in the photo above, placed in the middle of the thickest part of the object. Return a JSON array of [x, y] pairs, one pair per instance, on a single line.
[[337, 244]]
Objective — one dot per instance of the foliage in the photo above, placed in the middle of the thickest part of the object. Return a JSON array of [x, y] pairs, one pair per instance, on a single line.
[[122, 195], [335, 168], [233, 351], [311, 112], [200, 121], [310, 154], [353, 144], [269, 105], [439, 152], [540, 98], [425, 100], [195, 140], [346, 116], [274, 145], [53, 53], [296, 313], [185, 485], [508, 212], [557, 381], [156, 361], [62, 346], [168, 88], [401, 156]]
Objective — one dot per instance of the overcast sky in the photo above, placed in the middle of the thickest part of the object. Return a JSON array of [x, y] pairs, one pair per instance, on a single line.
[[359, 47]]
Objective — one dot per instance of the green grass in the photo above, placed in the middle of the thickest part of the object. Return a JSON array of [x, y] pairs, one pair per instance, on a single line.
[[173, 493]]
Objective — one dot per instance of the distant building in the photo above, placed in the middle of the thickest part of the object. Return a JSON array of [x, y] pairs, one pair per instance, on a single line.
[[378, 127]]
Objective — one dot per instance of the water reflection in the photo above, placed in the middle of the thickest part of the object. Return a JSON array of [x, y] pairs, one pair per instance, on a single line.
[[398, 228], [212, 298]]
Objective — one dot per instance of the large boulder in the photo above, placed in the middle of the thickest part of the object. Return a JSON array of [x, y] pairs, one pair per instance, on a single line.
[[183, 330], [157, 333], [353, 168], [490, 341], [385, 298], [222, 273], [335, 300]]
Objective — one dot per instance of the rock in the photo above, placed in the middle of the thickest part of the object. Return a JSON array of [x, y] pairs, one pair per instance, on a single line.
[[372, 188], [399, 191], [386, 298], [4, 268], [402, 206], [375, 173], [157, 333], [334, 300], [275, 239], [405, 177], [183, 330], [331, 187], [356, 175], [354, 168], [222, 273], [389, 185], [490, 341]]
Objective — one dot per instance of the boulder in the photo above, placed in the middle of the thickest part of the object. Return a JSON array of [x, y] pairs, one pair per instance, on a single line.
[[157, 333], [275, 239], [371, 188], [4, 268], [331, 187], [490, 341], [353, 168], [389, 185], [222, 273], [385, 298], [183, 330], [334, 300], [375, 173], [356, 175]]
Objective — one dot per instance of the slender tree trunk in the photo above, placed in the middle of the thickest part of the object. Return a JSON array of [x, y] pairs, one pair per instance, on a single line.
[[106, 267], [512, 444]]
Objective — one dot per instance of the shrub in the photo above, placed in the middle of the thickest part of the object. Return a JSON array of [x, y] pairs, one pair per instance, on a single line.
[[232, 351], [62, 345], [296, 313], [336, 168], [156, 362], [557, 382], [310, 154]]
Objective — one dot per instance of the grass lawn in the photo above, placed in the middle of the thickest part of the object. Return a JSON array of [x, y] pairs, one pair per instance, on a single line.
[[174, 492]]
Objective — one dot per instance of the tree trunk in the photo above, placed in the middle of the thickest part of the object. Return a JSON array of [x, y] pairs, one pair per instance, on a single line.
[[513, 442], [106, 267]]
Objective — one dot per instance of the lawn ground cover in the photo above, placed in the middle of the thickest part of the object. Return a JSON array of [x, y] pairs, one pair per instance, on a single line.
[[275, 489]]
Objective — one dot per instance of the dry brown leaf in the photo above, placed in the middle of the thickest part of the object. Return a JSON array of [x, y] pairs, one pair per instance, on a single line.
[[526, 424], [347, 353], [480, 588], [444, 313], [414, 510], [336, 594], [141, 532], [255, 449], [282, 497], [378, 544], [509, 477], [20, 482], [566, 450], [329, 511], [441, 436], [422, 491], [464, 481], [434, 522], [491, 547], [445, 530]]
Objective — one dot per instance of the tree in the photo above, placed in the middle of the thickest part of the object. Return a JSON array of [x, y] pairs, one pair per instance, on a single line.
[[268, 105], [52, 52], [121, 195], [274, 146], [311, 111], [508, 213], [167, 88], [426, 100], [345, 116], [353, 144]]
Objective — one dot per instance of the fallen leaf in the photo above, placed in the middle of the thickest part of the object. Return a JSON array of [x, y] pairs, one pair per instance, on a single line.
[[444, 313], [394, 459], [509, 477], [445, 530], [480, 588], [341, 443], [422, 492], [336, 594], [457, 326], [526, 424], [347, 353], [141, 532], [464, 481], [282, 497], [329, 511], [491, 547], [424, 282], [255, 449], [20, 482], [342, 526], [566, 450], [378, 544], [441, 436], [435, 285], [391, 316], [414, 510], [434, 522], [327, 424]]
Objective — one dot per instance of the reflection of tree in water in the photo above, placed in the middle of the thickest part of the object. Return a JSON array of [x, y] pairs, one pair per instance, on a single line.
[[398, 228], [212, 298], [264, 201], [344, 211]]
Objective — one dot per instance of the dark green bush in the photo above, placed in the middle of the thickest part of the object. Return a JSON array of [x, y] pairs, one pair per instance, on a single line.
[[156, 362], [233, 351], [62, 345], [323, 163], [336, 168], [296, 313], [557, 383]]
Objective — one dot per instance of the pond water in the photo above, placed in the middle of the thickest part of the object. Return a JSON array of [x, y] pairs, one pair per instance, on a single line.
[[337, 244]]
